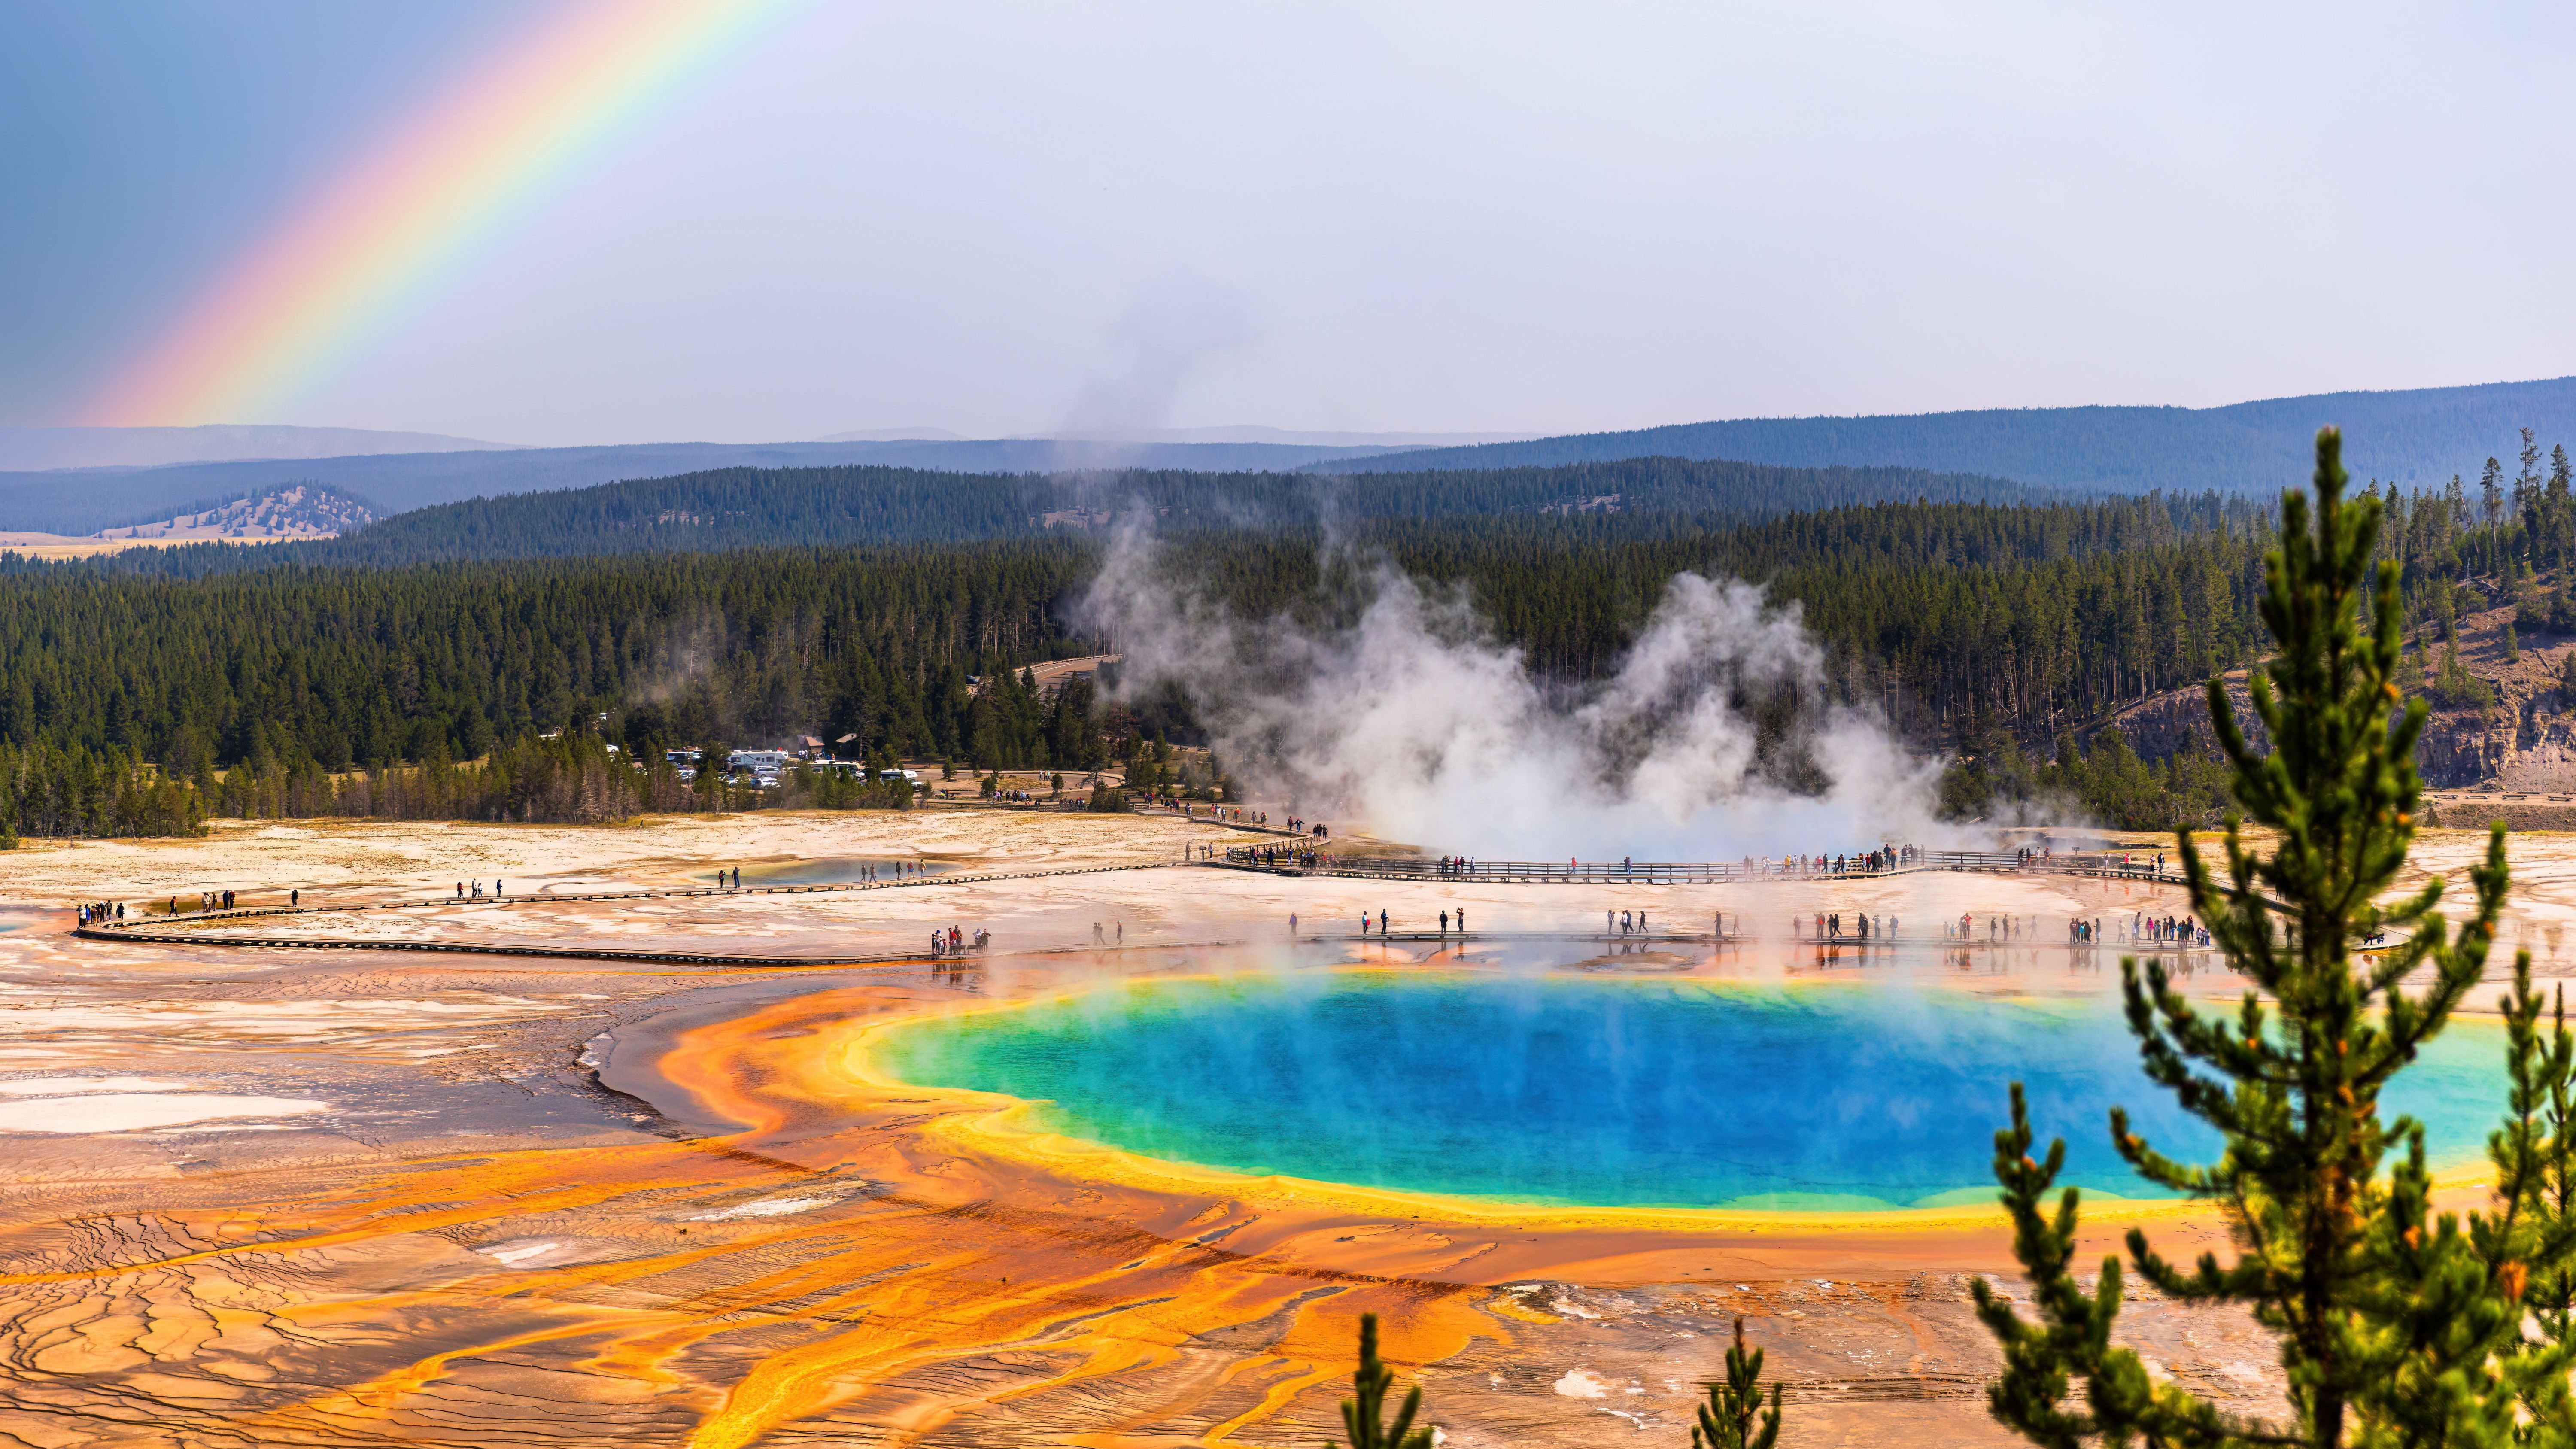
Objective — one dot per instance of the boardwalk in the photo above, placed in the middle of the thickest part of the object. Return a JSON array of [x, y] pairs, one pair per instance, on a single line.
[[184, 929]]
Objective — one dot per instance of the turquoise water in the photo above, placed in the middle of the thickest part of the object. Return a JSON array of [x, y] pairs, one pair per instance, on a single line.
[[1607, 1092]]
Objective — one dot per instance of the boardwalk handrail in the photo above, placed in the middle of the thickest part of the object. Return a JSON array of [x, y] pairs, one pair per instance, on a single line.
[[1903, 860]]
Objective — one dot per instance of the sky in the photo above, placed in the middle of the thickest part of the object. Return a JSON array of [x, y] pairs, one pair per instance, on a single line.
[[810, 217]]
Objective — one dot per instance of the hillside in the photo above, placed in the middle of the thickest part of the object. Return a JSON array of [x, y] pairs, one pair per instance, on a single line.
[[2421, 436], [2519, 740], [294, 510], [281, 512], [799, 507]]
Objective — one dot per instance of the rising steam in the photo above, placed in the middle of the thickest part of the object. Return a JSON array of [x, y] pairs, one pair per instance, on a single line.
[[1715, 738]]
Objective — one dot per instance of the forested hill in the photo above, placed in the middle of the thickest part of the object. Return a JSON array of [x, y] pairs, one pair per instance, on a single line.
[[814, 507], [2419, 438], [1946, 611]]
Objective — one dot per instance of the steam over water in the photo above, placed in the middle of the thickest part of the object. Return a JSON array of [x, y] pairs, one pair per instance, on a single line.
[[1607, 1092], [1715, 737]]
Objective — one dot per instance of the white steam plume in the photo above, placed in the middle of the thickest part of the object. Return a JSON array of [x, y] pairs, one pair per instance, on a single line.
[[1712, 740]]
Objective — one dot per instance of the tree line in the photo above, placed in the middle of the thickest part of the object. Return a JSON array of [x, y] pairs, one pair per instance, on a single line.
[[1965, 622]]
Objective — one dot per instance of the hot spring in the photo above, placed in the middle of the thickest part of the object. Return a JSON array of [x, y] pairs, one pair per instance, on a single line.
[[1608, 1092]]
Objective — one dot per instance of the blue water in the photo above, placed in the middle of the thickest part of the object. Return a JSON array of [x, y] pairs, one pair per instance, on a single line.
[[1608, 1092]]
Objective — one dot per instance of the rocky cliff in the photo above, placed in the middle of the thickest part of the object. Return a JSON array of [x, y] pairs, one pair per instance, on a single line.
[[2523, 741]]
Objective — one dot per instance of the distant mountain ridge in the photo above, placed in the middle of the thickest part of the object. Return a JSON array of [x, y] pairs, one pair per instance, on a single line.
[[86, 501], [34, 449], [2417, 437], [1229, 433], [733, 508]]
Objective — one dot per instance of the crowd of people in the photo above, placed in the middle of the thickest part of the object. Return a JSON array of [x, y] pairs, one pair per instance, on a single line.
[[1277, 855], [99, 912], [2168, 930], [955, 942], [1829, 926], [1885, 857]]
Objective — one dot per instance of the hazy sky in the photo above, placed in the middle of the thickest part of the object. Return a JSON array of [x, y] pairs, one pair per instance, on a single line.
[[1002, 218]]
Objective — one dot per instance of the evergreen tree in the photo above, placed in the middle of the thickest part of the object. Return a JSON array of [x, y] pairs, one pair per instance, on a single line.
[[1364, 1417], [1728, 1419], [2527, 483], [2491, 495], [2395, 1327]]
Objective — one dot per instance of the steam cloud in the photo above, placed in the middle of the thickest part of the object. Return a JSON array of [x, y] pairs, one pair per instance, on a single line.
[[1166, 338], [1714, 739]]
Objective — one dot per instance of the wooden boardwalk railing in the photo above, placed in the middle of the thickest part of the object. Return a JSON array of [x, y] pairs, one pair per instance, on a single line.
[[2107, 864], [1267, 860]]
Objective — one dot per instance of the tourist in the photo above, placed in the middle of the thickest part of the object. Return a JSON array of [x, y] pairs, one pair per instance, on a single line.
[[1292, 925], [1444, 923]]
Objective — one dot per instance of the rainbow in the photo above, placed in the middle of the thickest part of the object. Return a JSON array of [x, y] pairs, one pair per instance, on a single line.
[[411, 211]]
